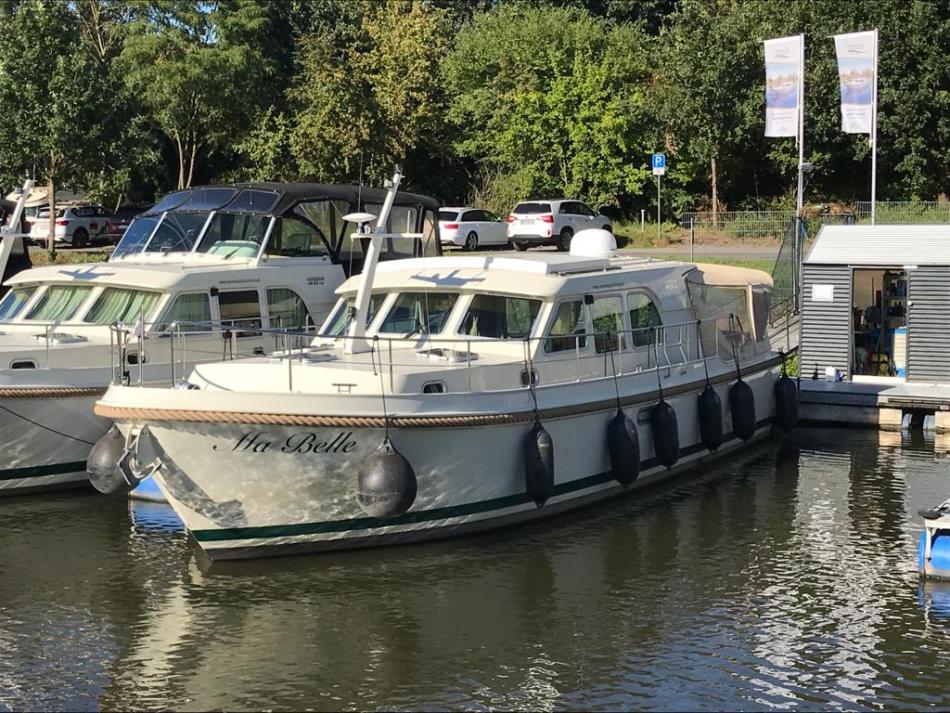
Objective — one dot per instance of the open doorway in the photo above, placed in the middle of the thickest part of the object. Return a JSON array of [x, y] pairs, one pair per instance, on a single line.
[[879, 322]]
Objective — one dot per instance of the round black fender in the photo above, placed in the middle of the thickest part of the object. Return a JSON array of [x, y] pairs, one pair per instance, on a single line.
[[102, 463], [710, 418], [666, 433], [623, 444], [742, 406], [786, 403], [387, 482], [539, 464]]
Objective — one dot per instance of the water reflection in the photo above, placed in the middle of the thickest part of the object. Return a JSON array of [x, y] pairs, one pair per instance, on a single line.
[[785, 577]]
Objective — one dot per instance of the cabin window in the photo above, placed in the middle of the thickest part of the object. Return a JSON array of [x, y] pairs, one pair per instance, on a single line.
[[643, 317], [292, 237], [568, 328], [500, 317], [430, 235], [59, 302], [177, 232], [419, 313], [402, 219], [326, 215], [234, 234], [286, 309], [120, 304], [241, 309], [606, 315], [192, 312], [343, 315], [14, 301], [761, 304], [136, 235]]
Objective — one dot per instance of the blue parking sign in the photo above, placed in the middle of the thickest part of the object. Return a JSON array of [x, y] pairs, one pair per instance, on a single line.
[[659, 160]]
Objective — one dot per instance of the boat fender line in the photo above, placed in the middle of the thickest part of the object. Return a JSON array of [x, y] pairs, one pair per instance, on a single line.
[[623, 444], [623, 441], [102, 463], [741, 397], [539, 464], [387, 483], [708, 404], [786, 400], [663, 424]]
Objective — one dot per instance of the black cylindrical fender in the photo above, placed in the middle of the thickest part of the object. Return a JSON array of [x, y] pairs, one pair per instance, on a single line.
[[539, 464], [623, 444], [709, 406], [666, 434], [742, 407], [786, 403]]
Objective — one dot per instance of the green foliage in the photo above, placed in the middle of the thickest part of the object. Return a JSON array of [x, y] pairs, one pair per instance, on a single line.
[[552, 101]]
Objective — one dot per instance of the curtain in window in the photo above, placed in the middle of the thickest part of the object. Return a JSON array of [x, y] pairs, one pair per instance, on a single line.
[[189, 309], [59, 302], [14, 301], [118, 304], [287, 309]]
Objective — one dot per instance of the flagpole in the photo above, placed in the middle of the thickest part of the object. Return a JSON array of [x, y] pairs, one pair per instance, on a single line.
[[874, 138], [801, 120]]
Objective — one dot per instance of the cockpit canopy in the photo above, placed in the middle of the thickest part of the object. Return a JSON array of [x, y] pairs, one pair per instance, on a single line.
[[277, 220]]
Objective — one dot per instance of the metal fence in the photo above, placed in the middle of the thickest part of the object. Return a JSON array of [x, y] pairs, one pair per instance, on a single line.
[[903, 212], [740, 224]]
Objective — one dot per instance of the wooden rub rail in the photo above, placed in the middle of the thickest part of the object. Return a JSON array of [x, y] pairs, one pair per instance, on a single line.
[[125, 413], [54, 392]]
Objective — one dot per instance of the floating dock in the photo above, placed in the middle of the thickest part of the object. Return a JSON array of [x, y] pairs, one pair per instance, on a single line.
[[888, 404]]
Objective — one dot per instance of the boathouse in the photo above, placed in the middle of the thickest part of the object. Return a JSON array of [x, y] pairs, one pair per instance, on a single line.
[[876, 304]]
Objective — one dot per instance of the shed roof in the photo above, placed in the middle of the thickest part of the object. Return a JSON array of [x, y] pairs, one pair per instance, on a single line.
[[886, 245]]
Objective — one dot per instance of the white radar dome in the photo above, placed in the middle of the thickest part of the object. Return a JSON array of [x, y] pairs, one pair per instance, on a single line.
[[593, 242]]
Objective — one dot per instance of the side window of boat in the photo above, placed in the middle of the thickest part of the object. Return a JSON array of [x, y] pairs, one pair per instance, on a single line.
[[419, 313], [241, 309], [761, 304], [643, 317], [431, 246], [286, 309], [569, 323], [500, 317], [191, 311], [14, 301], [59, 302], [293, 237], [607, 318]]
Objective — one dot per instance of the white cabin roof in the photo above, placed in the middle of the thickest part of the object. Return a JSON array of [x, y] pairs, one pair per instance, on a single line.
[[888, 245], [535, 274], [161, 272]]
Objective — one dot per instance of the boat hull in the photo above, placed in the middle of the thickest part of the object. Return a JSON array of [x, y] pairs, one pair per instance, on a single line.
[[47, 435], [268, 488]]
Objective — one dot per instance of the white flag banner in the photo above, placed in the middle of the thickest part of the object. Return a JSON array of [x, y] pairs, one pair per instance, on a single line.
[[783, 68], [857, 67]]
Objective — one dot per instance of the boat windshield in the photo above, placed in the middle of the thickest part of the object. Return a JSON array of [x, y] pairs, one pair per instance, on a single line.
[[339, 323], [234, 234], [177, 232], [499, 317], [59, 302], [136, 236], [419, 313], [14, 301], [122, 305]]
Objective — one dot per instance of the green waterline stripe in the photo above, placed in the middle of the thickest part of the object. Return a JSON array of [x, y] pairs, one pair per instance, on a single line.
[[38, 471], [413, 518]]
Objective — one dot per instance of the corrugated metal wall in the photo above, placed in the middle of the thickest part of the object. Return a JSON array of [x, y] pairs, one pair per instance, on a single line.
[[928, 332], [826, 325]]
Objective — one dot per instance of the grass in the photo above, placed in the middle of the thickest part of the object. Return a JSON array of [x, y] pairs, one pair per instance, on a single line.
[[40, 258]]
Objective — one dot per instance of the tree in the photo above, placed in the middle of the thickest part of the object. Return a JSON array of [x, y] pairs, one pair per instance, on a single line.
[[49, 89], [552, 101], [197, 69]]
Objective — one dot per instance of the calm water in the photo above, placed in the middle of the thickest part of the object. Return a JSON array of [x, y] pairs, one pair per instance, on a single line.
[[785, 578]]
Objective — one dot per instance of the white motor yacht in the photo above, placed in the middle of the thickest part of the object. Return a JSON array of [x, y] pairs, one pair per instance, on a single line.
[[449, 395], [201, 276]]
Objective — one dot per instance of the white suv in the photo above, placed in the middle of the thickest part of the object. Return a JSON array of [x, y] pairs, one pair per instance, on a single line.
[[551, 223], [77, 225], [471, 228]]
